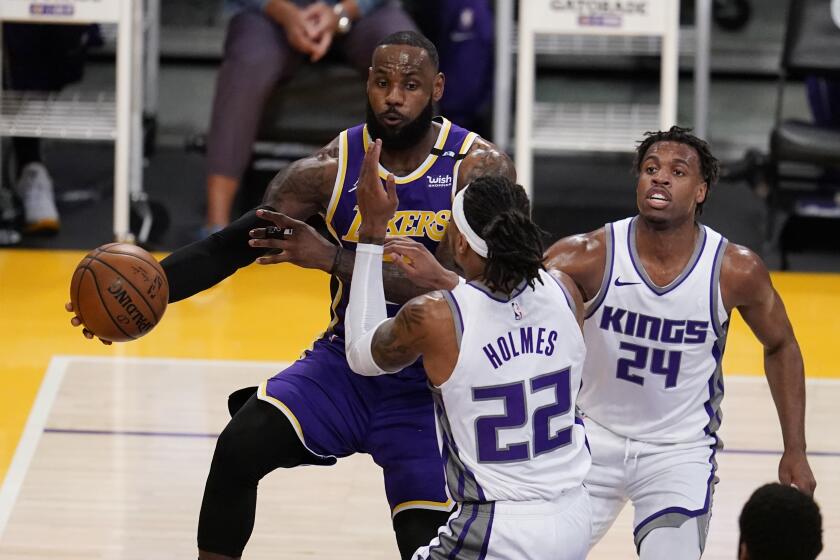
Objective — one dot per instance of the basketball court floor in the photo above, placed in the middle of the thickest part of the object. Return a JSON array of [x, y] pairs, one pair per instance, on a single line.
[[104, 450]]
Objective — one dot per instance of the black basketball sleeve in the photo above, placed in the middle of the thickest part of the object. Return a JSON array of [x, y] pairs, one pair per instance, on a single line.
[[205, 263]]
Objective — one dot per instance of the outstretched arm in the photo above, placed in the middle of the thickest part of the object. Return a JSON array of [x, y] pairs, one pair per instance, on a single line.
[[305, 247], [301, 190], [746, 285]]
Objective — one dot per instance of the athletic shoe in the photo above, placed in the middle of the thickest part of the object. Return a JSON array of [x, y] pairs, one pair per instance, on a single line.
[[8, 236], [35, 188]]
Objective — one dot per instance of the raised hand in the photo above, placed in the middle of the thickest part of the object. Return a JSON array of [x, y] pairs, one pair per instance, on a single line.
[[419, 264], [376, 205]]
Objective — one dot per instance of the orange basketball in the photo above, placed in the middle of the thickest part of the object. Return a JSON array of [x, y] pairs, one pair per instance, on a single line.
[[119, 291]]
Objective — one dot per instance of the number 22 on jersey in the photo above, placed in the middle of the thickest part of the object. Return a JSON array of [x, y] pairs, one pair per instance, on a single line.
[[515, 399]]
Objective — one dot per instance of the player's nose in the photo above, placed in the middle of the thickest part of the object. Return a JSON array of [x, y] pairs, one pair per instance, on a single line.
[[395, 96], [661, 179]]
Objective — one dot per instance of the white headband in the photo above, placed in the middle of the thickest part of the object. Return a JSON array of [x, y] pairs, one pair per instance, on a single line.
[[473, 239]]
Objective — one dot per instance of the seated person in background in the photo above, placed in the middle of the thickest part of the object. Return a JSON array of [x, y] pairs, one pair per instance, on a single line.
[[266, 42], [779, 522], [43, 58]]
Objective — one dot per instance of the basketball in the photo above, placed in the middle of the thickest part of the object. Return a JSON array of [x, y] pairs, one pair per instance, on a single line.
[[119, 292]]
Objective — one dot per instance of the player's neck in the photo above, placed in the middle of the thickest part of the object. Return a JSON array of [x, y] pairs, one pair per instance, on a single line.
[[403, 162], [472, 266], [666, 243]]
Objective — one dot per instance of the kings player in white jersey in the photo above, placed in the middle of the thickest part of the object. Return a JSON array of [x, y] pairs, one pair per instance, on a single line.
[[660, 289], [503, 352]]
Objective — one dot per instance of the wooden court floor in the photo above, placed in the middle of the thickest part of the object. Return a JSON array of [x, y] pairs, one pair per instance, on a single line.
[[104, 450]]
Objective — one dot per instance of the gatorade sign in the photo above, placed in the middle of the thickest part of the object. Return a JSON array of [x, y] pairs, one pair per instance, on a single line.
[[80, 11], [619, 17]]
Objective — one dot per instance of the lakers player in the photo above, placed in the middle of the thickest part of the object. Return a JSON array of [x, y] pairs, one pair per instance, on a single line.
[[661, 288], [503, 353], [318, 410]]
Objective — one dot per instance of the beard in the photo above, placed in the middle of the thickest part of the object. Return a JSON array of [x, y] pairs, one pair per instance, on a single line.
[[407, 136]]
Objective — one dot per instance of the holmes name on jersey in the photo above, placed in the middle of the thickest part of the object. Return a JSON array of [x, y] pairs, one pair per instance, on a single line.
[[518, 342]]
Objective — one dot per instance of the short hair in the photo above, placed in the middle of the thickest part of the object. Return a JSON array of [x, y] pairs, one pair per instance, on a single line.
[[709, 165], [499, 211], [412, 39], [781, 523]]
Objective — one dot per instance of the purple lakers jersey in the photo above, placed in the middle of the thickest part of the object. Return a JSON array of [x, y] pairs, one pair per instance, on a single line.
[[425, 199]]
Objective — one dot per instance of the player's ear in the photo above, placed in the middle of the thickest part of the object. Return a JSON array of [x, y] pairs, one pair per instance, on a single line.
[[369, 79], [461, 245], [437, 87], [702, 192]]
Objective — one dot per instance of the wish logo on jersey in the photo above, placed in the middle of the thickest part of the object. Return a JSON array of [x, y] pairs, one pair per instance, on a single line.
[[439, 182], [409, 223]]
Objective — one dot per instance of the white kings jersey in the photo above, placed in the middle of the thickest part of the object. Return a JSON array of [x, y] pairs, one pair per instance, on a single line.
[[653, 369], [506, 418]]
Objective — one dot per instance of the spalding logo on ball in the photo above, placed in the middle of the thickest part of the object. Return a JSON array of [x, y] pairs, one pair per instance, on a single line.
[[119, 292]]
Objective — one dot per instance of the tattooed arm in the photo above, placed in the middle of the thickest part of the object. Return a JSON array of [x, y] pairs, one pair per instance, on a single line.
[[304, 188], [484, 158], [424, 326]]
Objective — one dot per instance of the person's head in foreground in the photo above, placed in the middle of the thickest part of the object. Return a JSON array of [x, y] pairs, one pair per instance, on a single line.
[[780, 523], [499, 230]]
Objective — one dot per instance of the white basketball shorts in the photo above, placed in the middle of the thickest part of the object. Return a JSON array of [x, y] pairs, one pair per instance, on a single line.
[[532, 530], [666, 483]]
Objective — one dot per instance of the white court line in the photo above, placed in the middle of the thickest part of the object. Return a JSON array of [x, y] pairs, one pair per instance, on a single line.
[[171, 361], [30, 437], [40, 411]]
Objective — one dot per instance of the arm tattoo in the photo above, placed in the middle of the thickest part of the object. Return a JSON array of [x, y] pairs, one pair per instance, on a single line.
[[411, 318], [305, 187], [392, 344], [486, 160]]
